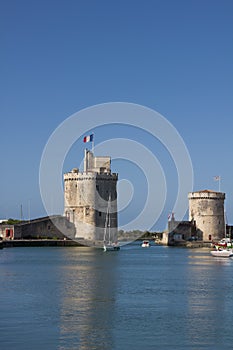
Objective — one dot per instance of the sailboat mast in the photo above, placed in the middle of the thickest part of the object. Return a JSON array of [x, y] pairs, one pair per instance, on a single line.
[[109, 220], [106, 222], [105, 226], [225, 227]]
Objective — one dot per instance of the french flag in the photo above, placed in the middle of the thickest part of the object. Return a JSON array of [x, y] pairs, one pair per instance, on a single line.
[[88, 138]]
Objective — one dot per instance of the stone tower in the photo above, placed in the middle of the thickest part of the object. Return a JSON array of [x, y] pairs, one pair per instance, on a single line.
[[206, 209], [87, 195]]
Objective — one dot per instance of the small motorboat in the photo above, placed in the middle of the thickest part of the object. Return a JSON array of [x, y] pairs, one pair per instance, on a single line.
[[145, 244], [222, 253]]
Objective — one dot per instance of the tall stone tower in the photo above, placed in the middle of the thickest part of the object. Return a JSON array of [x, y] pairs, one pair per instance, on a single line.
[[206, 208], [87, 195]]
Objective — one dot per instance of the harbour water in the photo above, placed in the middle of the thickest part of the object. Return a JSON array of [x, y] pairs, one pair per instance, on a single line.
[[138, 298]]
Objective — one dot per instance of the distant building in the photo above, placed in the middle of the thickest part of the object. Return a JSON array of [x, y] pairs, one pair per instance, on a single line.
[[206, 209], [180, 231], [86, 197], [6, 231], [206, 220]]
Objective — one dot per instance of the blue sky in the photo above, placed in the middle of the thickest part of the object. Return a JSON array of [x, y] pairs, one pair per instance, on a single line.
[[58, 57]]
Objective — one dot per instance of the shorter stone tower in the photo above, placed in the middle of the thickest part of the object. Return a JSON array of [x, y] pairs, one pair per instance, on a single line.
[[87, 195], [206, 209]]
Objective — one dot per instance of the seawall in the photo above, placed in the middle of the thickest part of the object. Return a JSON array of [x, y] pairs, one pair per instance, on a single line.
[[40, 243]]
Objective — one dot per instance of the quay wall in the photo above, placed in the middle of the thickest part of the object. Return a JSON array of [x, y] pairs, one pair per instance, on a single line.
[[56, 227], [40, 243]]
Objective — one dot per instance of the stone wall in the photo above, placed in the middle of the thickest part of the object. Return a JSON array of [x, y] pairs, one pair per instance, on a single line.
[[206, 208], [55, 227], [185, 230], [86, 197]]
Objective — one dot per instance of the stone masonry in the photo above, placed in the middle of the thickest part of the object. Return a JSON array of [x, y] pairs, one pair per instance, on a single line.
[[86, 197], [206, 209]]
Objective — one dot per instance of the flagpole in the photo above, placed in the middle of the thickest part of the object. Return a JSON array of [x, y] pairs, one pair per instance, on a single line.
[[218, 178]]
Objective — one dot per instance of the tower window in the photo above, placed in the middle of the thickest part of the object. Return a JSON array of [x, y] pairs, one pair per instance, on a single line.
[[87, 211], [100, 213]]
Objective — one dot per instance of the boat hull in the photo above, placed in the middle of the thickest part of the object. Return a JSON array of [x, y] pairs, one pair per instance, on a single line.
[[111, 247], [145, 244], [222, 253]]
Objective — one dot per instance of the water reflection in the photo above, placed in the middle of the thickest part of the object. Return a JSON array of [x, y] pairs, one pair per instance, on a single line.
[[88, 299], [208, 285], [81, 298], [200, 257]]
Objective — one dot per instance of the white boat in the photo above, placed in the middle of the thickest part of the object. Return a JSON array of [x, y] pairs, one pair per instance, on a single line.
[[223, 248], [111, 247], [222, 253], [108, 244], [145, 244]]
